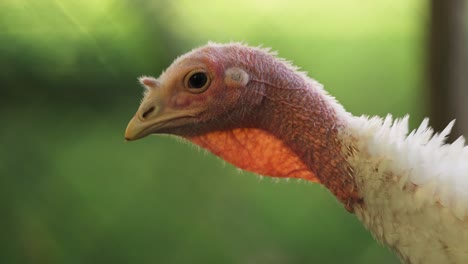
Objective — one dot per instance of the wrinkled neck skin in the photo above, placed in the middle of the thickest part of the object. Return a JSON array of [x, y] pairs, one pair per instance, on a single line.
[[310, 122], [286, 126]]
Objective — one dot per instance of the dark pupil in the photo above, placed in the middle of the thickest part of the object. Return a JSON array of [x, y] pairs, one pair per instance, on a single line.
[[198, 80]]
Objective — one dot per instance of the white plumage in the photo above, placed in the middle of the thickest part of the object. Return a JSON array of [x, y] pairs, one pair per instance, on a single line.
[[414, 186]]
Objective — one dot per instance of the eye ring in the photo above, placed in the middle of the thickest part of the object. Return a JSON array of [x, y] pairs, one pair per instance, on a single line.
[[197, 81]]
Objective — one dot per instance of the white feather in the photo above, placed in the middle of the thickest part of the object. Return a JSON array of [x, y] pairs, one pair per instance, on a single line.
[[416, 201]]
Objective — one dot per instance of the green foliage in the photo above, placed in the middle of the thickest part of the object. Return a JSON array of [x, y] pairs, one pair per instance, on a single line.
[[71, 189]]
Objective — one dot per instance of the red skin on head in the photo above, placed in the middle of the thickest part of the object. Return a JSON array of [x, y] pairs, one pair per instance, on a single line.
[[295, 132], [255, 111]]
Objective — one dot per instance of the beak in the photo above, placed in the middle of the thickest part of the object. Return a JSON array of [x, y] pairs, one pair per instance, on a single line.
[[135, 129], [153, 120], [148, 119]]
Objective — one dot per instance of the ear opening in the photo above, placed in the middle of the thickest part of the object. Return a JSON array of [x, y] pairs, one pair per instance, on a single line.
[[236, 77], [149, 82]]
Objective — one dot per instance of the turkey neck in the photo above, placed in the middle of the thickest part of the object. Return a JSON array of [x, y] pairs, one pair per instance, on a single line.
[[310, 122]]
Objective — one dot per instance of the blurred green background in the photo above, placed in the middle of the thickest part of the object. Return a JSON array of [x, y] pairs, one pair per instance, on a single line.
[[71, 189]]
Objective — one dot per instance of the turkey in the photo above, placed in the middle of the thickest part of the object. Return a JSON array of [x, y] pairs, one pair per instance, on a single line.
[[258, 112]]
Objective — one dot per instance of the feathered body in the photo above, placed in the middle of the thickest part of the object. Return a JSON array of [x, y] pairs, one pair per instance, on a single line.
[[263, 115], [414, 189]]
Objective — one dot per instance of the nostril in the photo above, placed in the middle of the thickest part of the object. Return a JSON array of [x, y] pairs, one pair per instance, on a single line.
[[147, 112]]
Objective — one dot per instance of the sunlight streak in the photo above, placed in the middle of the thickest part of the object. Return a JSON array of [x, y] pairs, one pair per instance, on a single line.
[[84, 31]]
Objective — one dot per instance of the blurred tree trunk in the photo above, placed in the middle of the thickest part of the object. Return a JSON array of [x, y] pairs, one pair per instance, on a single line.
[[448, 65]]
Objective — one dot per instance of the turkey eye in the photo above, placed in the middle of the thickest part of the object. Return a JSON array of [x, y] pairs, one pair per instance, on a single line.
[[198, 81]]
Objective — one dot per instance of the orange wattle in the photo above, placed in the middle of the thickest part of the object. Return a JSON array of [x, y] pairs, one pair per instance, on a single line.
[[257, 151]]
